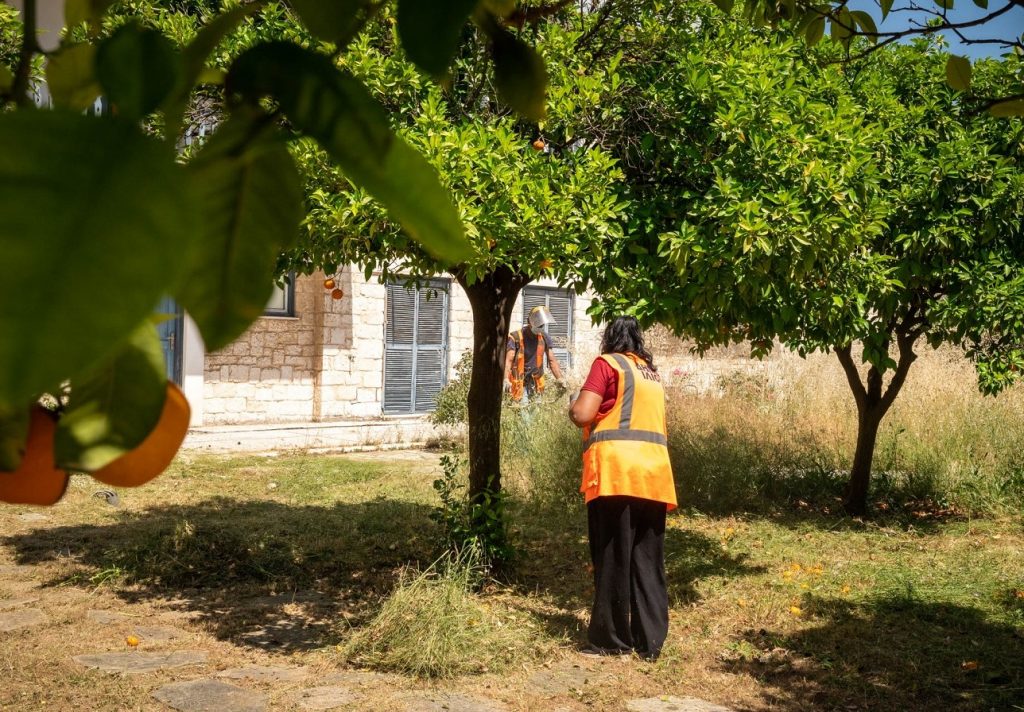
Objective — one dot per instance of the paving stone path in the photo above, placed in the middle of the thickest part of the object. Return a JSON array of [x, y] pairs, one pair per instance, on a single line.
[[448, 702], [138, 662], [561, 680], [157, 633], [10, 603], [667, 703], [210, 696], [33, 517], [21, 618], [266, 673], [325, 698]]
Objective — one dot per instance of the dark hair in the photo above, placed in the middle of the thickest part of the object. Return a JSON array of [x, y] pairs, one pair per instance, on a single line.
[[624, 335]]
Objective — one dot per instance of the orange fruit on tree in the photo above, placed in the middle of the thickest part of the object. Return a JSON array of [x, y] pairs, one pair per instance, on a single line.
[[538, 144], [328, 283], [153, 455], [37, 479], [546, 264], [337, 294]]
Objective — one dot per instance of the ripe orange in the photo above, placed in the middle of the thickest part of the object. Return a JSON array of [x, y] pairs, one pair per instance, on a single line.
[[538, 144], [546, 264], [37, 479], [132, 641], [153, 455], [328, 283], [337, 294]]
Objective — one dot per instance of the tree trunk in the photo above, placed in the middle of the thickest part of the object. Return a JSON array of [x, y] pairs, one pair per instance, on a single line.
[[872, 405], [492, 299], [856, 500]]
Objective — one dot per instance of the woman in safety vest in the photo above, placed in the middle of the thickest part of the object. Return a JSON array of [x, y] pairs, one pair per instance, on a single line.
[[627, 483]]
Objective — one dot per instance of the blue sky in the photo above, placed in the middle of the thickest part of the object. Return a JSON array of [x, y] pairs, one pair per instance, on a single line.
[[1009, 25]]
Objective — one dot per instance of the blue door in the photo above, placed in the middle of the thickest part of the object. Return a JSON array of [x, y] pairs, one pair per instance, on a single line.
[[170, 329]]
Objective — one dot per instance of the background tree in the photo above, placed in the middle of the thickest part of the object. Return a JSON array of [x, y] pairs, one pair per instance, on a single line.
[[829, 208]]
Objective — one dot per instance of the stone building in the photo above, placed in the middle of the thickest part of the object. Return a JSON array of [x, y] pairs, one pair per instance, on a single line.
[[361, 370]]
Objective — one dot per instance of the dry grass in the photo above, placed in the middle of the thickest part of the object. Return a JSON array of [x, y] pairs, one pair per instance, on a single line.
[[786, 432]]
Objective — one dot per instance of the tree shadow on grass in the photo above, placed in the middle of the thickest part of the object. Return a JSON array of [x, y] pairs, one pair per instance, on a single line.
[[554, 563], [265, 574], [890, 653]]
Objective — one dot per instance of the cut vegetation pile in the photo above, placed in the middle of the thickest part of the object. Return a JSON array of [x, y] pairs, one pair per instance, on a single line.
[[433, 625]]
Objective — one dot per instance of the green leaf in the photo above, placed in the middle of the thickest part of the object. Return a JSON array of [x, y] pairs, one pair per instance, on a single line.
[[815, 31], [724, 5], [866, 24], [71, 79], [886, 6], [96, 221], [430, 31], [335, 109], [842, 27], [13, 435], [250, 210], [331, 20], [945, 4], [138, 68], [1013, 107], [193, 61], [113, 408], [520, 75], [958, 72], [983, 4]]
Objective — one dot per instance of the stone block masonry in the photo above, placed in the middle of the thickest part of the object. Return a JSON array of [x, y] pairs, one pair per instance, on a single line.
[[326, 362]]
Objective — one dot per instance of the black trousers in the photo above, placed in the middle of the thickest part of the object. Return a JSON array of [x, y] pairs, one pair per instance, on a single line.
[[627, 548]]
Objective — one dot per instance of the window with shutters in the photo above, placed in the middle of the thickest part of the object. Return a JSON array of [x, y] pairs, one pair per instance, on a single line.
[[560, 302], [415, 346]]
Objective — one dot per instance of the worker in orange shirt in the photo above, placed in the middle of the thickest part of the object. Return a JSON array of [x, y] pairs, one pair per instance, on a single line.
[[628, 488], [524, 357]]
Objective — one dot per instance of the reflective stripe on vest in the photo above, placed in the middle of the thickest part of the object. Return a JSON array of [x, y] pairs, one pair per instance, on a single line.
[[520, 373], [626, 451]]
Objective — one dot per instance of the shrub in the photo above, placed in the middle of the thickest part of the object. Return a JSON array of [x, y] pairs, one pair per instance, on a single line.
[[451, 408]]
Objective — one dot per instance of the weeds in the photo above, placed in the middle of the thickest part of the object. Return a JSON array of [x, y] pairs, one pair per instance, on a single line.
[[480, 526]]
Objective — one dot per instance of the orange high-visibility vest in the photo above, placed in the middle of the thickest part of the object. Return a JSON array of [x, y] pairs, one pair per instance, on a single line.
[[626, 450], [517, 376]]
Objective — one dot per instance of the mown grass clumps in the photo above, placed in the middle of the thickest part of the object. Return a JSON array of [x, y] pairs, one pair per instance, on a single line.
[[433, 625]]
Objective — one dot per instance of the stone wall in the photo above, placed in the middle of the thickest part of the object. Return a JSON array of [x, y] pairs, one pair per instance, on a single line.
[[327, 362], [269, 373]]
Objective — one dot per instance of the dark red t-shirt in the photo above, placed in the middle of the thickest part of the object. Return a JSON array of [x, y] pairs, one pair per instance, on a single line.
[[604, 381]]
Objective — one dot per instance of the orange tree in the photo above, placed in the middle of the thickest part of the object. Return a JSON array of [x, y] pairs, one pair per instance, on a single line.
[[534, 203], [827, 209], [864, 28], [100, 219]]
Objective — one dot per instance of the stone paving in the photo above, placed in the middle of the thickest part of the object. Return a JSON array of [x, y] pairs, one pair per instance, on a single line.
[[137, 661], [21, 618], [210, 696]]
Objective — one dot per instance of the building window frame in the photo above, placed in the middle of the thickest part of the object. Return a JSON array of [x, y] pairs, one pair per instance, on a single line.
[[288, 293]]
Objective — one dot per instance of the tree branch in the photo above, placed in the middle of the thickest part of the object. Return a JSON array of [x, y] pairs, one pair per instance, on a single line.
[[905, 342], [852, 375]]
